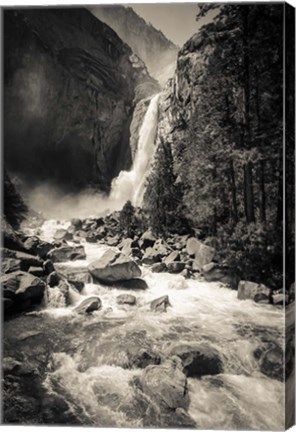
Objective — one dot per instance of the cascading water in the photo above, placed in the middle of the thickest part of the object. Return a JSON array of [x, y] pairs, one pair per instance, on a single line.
[[130, 185]]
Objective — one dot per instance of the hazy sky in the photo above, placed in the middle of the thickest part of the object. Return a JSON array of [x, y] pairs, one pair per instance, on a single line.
[[175, 20]]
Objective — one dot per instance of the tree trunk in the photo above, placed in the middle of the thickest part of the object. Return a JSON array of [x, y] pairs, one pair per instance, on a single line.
[[233, 192], [249, 196]]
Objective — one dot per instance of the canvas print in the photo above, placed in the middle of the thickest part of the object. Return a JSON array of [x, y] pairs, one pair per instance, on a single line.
[[147, 255]]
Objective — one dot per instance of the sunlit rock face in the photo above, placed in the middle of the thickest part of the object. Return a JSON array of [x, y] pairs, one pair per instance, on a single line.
[[70, 89], [150, 44]]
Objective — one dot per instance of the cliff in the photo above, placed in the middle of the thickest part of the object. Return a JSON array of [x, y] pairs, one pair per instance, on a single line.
[[70, 88], [158, 53]]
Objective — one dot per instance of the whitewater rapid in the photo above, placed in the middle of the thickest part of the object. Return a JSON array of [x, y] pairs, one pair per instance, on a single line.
[[95, 374]]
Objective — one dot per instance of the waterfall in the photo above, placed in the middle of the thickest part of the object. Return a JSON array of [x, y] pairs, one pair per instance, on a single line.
[[130, 185]]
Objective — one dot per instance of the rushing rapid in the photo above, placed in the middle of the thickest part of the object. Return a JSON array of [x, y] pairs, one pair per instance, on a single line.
[[90, 368]]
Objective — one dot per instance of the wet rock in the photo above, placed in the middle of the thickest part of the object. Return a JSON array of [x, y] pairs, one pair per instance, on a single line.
[[43, 249], [53, 279], [89, 305], [126, 299], [177, 419], [112, 241], [31, 244], [36, 271], [166, 385], [198, 359], [151, 256], [48, 267], [147, 239], [9, 265], [160, 304], [135, 284], [21, 287], [280, 299], [91, 237], [212, 272], [248, 290], [173, 256], [74, 274], [114, 266], [159, 267], [261, 298], [67, 253], [272, 363], [202, 253], [26, 260], [141, 357], [62, 234], [175, 267], [76, 223]]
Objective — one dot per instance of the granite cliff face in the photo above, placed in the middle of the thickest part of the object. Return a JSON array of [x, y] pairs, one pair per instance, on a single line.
[[150, 44], [70, 89]]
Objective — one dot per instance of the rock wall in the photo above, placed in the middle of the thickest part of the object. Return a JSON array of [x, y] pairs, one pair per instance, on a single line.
[[70, 88]]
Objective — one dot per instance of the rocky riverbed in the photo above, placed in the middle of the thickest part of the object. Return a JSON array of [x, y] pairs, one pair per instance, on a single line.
[[111, 331]]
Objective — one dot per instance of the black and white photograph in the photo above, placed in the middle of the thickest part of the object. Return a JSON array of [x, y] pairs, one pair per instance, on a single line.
[[148, 215]]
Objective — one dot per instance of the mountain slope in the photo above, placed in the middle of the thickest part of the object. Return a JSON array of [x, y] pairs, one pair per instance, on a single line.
[[157, 52], [70, 89]]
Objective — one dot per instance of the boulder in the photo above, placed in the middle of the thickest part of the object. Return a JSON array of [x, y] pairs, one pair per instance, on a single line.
[[75, 274], [31, 244], [160, 304], [22, 288], [26, 260], [198, 359], [91, 237], [89, 305], [272, 363], [212, 272], [175, 267], [67, 253], [36, 271], [9, 265], [53, 279], [48, 267], [151, 256], [248, 290], [139, 357], [147, 239], [114, 266], [159, 267], [62, 234], [280, 299], [261, 298], [43, 248], [128, 299], [166, 385], [202, 253], [137, 284], [11, 239], [173, 256], [76, 223], [112, 241], [162, 247]]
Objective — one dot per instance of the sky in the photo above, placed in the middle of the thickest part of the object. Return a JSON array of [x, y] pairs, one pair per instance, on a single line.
[[175, 20]]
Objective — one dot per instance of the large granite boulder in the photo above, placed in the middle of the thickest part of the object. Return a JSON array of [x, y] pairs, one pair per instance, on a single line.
[[151, 256], [198, 359], [114, 266], [67, 253], [22, 289], [89, 305], [147, 239], [160, 304], [166, 385], [202, 253], [249, 290], [212, 272]]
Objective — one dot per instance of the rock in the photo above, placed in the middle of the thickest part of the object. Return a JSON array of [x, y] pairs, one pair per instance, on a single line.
[[67, 253], [151, 256], [139, 357], [248, 290], [26, 260], [74, 274], [81, 234], [212, 272], [43, 248], [9, 365], [48, 267], [147, 240], [76, 223], [62, 234], [160, 304], [114, 266], [159, 267], [166, 385], [91, 237], [36, 271], [126, 299], [20, 287], [280, 299], [272, 363], [137, 284], [203, 254], [11, 239], [31, 244], [173, 256], [130, 247], [53, 279], [198, 359], [261, 298], [89, 305], [175, 267], [177, 419], [161, 247], [9, 265]]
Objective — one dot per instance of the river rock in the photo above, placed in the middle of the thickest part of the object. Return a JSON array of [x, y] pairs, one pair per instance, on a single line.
[[166, 385], [147, 239], [175, 267], [202, 253], [31, 244], [91, 237], [114, 266], [280, 299], [74, 274], [212, 272], [137, 284], [76, 223], [272, 363], [248, 290], [9, 265], [198, 359], [151, 256], [48, 267], [159, 267], [62, 234], [67, 253], [23, 289], [173, 256], [53, 279], [160, 304], [261, 298], [139, 357], [36, 271], [89, 305], [128, 299], [11, 239]]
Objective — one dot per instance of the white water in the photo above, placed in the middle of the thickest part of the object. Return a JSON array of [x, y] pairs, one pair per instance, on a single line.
[[130, 185], [95, 375]]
